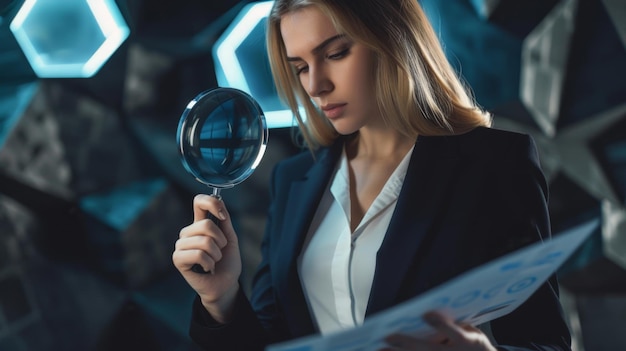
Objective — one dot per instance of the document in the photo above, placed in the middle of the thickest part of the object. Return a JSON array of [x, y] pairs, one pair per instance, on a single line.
[[475, 297]]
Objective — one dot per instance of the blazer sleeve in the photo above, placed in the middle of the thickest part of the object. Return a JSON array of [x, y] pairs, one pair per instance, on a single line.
[[537, 324], [242, 333]]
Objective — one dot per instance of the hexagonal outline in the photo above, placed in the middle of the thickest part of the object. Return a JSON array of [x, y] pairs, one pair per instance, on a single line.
[[224, 51], [111, 23]]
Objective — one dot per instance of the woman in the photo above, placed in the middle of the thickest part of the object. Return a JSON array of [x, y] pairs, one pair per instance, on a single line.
[[404, 186]]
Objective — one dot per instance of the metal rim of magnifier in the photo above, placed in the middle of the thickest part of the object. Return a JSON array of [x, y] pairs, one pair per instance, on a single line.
[[189, 112]]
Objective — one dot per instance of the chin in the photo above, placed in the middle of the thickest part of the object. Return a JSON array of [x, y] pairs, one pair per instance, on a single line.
[[344, 129], [347, 132]]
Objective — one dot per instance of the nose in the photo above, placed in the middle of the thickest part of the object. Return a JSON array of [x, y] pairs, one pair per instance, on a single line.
[[319, 82]]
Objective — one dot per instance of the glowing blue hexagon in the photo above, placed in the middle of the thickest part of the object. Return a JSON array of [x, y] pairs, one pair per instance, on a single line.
[[68, 38], [241, 62]]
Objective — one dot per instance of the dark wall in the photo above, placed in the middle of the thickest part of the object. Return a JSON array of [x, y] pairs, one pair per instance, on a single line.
[[93, 193]]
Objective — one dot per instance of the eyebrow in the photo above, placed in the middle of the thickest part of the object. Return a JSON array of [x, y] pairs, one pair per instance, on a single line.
[[320, 47]]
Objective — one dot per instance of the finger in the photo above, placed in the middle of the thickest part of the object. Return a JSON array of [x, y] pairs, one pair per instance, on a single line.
[[203, 203], [206, 228], [203, 243], [184, 260], [216, 206], [226, 227], [444, 325], [406, 342], [437, 338], [470, 328]]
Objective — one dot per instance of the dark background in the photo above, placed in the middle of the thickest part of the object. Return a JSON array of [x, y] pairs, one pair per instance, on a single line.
[[93, 194]]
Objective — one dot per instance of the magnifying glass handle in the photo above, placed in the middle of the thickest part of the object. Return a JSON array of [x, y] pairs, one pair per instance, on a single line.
[[196, 267]]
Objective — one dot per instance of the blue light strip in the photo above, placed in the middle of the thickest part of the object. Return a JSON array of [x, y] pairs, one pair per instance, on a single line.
[[243, 25], [228, 67], [115, 31], [16, 28]]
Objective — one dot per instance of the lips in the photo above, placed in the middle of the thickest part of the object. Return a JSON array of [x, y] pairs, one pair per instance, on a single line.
[[333, 110]]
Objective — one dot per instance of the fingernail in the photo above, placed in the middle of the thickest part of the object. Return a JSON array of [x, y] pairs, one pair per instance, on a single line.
[[221, 215]]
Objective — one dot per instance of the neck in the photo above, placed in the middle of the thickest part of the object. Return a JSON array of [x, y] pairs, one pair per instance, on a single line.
[[378, 144]]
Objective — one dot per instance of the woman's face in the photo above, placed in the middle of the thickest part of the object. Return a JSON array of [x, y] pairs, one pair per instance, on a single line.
[[337, 73]]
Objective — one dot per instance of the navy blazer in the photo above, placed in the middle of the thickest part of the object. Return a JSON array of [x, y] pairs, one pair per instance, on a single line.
[[466, 200]]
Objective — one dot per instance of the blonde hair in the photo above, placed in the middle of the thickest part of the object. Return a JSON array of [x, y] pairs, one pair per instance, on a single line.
[[418, 91]]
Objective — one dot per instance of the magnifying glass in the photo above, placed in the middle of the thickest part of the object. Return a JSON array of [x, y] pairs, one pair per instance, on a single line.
[[221, 137]]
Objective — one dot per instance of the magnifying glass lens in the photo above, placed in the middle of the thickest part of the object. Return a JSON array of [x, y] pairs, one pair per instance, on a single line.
[[222, 135]]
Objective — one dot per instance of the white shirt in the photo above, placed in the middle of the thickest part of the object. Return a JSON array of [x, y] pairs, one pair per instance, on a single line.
[[336, 267]]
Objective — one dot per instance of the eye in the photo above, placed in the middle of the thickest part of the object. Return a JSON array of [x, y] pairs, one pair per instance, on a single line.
[[339, 55], [300, 70]]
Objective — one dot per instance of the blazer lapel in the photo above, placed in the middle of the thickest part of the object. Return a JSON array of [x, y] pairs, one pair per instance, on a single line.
[[430, 169], [431, 166], [304, 196]]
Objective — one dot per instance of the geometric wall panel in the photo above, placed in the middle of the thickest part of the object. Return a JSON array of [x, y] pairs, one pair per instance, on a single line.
[[572, 162], [18, 309], [609, 148], [161, 143], [135, 325], [485, 7], [19, 312], [161, 303], [75, 306], [176, 21], [617, 12], [69, 145], [486, 54], [569, 203], [58, 306], [18, 228], [162, 77], [572, 151], [170, 61], [132, 230], [52, 305], [11, 54], [109, 139], [544, 57], [13, 102], [591, 270], [614, 232], [119, 207], [602, 316], [595, 68], [33, 152], [129, 329], [144, 91], [520, 17]]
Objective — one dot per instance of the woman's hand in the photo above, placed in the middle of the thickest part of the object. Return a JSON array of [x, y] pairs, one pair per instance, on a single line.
[[216, 249], [449, 336]]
